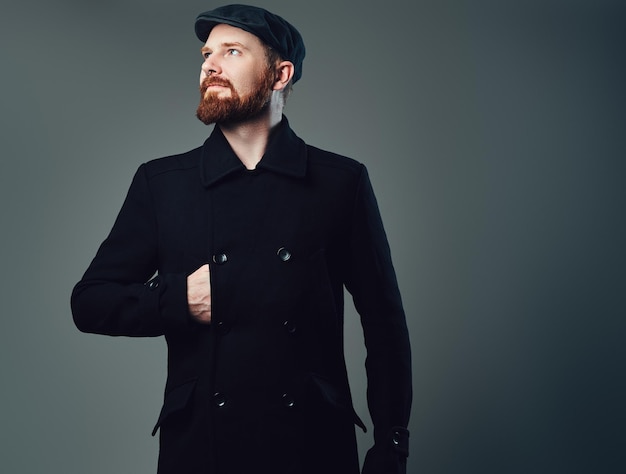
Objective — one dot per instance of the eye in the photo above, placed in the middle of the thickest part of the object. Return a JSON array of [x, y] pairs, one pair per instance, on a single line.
[[234, 52], [206, 54]]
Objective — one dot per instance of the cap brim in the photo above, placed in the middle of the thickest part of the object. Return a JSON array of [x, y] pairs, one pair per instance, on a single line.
[[204, 26]]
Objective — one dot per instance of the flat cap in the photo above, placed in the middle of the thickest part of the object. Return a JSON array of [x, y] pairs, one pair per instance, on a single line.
[[268, 27]]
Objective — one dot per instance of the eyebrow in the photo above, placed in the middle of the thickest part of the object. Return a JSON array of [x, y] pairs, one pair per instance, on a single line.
[[224, 45]]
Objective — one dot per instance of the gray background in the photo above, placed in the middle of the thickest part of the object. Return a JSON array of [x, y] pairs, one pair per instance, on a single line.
[[494, 135]]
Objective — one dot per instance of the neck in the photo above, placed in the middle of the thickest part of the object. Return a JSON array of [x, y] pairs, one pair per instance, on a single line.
[[249, 139]]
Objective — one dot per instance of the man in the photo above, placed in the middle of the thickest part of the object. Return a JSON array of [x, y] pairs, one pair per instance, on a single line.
[[237, 252]]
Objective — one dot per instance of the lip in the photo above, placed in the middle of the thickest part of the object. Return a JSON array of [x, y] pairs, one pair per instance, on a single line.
[[213, 87], [216, 87]]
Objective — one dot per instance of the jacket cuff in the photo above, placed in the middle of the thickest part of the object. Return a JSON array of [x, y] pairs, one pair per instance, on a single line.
[[171, 291], [400, 441], [390, 455]]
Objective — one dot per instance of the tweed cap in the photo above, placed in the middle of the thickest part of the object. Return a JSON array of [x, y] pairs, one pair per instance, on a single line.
[[268, 27]]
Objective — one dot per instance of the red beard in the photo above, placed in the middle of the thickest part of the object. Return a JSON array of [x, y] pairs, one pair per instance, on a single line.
[[233, 109]]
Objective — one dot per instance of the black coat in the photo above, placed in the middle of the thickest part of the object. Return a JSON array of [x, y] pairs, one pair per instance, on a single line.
[[263, 388]]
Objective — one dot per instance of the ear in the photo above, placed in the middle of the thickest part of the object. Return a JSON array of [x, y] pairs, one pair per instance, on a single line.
[[284, 73]]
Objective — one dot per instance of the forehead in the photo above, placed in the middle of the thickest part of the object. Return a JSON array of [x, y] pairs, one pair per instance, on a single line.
[[225, 34]]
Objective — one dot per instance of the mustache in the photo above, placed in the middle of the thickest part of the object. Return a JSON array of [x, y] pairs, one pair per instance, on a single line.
[[214, 81]]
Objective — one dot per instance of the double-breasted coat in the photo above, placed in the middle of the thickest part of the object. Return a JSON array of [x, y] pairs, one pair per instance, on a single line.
[[263, 388]]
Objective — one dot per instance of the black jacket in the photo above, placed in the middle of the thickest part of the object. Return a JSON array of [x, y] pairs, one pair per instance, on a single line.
[[264, 387]]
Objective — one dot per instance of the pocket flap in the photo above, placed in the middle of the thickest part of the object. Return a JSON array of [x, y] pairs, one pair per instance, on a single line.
[[336, 399], [175, 400]]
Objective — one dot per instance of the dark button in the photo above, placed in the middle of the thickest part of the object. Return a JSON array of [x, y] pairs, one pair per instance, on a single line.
[[219, 399], [284, 254], [400, 440], [288, 400], [220, 258], [290, 327], [153, 284], [223, 327]]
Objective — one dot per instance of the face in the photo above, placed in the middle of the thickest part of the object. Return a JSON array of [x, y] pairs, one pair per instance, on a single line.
[[236, 81]]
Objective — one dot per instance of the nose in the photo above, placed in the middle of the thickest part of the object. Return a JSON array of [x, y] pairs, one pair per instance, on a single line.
[[210, 66]]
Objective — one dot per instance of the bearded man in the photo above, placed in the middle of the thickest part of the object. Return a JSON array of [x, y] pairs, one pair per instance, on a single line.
[[238, 253]]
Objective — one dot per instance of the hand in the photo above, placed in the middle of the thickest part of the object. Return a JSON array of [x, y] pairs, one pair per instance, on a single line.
[[199, 294]]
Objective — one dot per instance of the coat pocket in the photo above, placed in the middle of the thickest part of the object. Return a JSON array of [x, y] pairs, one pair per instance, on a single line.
[[333, 397], [176, 400]]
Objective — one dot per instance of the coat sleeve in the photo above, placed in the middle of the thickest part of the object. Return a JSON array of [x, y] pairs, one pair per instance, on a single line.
[[117, 295], [372, 282]]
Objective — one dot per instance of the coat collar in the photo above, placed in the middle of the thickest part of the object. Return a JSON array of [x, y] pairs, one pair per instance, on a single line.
[[285, 154]]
